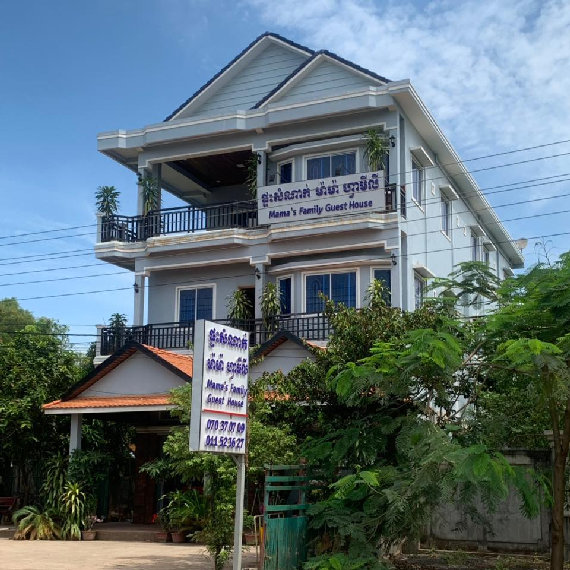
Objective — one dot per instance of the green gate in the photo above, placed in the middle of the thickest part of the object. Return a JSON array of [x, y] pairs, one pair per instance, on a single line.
[[285, 523]]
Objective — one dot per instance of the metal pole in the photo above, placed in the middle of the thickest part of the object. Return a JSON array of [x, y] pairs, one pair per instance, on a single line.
[[238, 527]]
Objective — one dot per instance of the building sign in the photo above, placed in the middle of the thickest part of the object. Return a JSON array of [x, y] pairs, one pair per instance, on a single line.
[[313, 199], [218, 420]]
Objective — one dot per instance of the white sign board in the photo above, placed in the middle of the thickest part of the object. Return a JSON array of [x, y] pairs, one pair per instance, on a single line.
[[218, 420], [330, 197]]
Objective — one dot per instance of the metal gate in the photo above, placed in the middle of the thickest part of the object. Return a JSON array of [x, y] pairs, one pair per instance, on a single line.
[[284, 517]]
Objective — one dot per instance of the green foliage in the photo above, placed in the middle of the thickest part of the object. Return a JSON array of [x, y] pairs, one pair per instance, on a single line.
[[239, 308], [54, 483], [150, 192], [251, 176], [13, 318], [340, 561], [187, 509], [270, 306], [376, 149], [107, 200], [37, 366], [35, 524], [74, 509]]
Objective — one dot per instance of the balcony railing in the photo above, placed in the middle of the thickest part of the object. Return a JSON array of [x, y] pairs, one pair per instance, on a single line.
[[174, 335], [191, 219], [188, 219]]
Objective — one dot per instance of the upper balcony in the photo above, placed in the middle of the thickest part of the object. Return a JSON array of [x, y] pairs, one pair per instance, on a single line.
[[275, 205]]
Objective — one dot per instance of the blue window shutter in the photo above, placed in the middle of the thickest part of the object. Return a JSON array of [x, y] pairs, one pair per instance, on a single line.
[[314, 285], [204, 303], [343, 288], [285, 295], [187, 305], [385, 277]]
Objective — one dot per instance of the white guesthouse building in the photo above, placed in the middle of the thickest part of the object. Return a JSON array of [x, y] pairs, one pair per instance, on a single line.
[[321, 220]]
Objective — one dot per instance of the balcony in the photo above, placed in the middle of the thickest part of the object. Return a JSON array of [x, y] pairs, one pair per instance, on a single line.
[[181, 335], [194, 219], [188, 219]]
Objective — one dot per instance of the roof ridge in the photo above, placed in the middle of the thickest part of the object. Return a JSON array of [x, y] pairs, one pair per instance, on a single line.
[[234, 60]]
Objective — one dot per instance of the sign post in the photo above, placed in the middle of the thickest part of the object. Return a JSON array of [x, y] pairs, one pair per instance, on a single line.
[[218, 418]]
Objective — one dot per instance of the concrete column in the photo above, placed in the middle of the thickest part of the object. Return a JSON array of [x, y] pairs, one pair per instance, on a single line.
[[261, 167], [138, 313], [98, 340], [75, 433], [260, 280], [140, 197], [99, 227]]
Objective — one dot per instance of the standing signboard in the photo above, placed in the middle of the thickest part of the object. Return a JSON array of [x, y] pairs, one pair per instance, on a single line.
[[218, 417]]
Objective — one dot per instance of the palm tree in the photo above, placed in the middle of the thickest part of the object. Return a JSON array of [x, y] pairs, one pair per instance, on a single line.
[[376, 149], [107, 200]]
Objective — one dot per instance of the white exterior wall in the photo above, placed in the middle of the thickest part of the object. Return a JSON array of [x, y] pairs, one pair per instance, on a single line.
[[139, 374]]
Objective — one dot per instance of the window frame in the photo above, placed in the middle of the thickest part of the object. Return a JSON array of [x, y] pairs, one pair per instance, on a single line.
[[418, 278], [325, 271], [355, 150], [446, 217], [281, 278], [419, 201], [195, 287], [374, 268], [290, 161], [475, 247]]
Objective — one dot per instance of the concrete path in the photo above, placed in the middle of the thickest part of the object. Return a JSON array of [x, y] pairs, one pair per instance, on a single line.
[[66, 555]]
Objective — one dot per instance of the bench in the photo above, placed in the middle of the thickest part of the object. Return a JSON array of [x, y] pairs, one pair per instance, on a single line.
[[7, 506]]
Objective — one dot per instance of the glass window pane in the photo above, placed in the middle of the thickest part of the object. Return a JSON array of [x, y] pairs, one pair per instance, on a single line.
[[343, 288], [385, 277], [187, 305], [286, 173], [419, 291], [315, 284], [343, 164], [318, 167], [204, 303], [417, 181], [285, 295]]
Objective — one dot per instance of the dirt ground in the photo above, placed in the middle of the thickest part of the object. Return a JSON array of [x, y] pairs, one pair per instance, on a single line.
[[66, 555], [462, 560]]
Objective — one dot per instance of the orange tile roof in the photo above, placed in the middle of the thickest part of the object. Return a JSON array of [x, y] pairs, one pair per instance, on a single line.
[[111, 402], [183, 362]]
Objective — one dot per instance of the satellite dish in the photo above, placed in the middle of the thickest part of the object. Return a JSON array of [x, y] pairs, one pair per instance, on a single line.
[[521, 243]]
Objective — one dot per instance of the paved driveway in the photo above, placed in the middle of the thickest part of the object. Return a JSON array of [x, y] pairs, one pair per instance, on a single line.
[[66, 555]]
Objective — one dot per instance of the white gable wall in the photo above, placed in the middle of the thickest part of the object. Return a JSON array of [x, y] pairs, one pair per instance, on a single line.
[[139, 374], [284, 358], [326, 79], [252, 83]]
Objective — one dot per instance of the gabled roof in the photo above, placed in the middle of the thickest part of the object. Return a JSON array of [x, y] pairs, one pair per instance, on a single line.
[[280, 338], [178, 364], [311, 62], [241, 56]]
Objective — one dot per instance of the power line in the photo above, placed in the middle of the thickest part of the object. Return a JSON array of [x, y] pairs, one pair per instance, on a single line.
[[63, 279]]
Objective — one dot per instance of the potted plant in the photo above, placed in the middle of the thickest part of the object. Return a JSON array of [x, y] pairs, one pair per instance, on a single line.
[[107, 200], [239, 309], [249, 535], [73, 503], [270, 306], [187, 510], [163, 519], [88, 533], [376, 148]]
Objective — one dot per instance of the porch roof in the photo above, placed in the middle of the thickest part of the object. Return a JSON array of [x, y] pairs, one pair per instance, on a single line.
[[76, 398]]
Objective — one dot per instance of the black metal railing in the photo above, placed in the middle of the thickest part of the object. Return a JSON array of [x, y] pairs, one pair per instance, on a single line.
[[188, 219], [175, 335]]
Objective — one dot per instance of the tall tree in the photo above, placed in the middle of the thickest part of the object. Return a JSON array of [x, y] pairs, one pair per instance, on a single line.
[[531, 334]]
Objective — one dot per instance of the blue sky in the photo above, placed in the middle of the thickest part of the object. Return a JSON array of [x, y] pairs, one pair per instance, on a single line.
[[495, 75]]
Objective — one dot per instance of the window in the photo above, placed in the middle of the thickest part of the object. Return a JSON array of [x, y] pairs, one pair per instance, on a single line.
[[417, 181], [331, 165], [474, 247], [284, 286], [446, 216], [195, 304], [285, 173], [385, 277], [419, 290], [339, 287], [487, 257]]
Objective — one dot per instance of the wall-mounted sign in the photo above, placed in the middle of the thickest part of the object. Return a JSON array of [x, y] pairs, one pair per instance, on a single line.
[[218, 420], [321, 198]]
